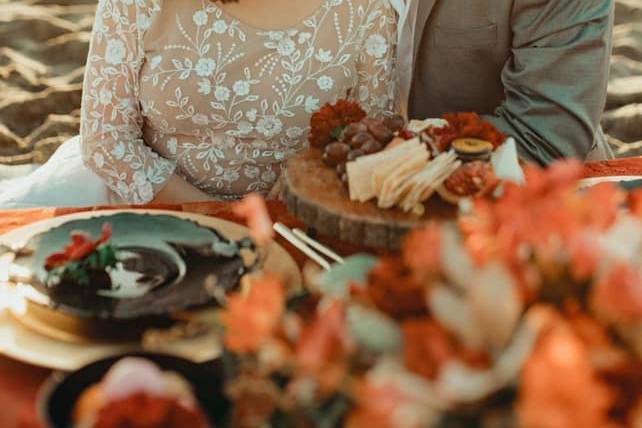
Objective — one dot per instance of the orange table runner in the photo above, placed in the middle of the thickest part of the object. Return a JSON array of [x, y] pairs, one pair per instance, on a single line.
[[20, 382], [614, 168]]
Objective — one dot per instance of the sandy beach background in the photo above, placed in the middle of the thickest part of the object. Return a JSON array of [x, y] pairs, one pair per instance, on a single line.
[[44, 43]]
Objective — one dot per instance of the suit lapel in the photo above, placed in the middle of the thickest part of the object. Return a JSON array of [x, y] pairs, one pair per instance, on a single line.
[[423, 13]]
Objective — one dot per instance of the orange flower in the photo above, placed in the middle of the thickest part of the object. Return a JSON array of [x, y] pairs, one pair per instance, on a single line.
[[327, 123], [585, 257], [635, 202], [252, 208], [560, 387], [81, 246], [251, 319], [324, 345], [619, 294], [428, 347], [393, 289], [422, 249]]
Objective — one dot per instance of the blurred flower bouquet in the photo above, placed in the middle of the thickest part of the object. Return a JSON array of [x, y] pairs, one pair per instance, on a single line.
[[525, 312]]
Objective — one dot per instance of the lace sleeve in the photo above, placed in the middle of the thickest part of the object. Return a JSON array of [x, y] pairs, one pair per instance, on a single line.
[[376, 88], [111, 126]]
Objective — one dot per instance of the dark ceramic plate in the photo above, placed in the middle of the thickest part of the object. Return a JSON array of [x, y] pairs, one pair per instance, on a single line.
[[58, 396], [167, 264]]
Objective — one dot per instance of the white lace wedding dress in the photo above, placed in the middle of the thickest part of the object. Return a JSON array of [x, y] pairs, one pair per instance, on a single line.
[[183, 87]]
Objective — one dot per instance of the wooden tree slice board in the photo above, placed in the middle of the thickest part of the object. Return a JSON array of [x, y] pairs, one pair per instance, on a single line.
[[315, 194]]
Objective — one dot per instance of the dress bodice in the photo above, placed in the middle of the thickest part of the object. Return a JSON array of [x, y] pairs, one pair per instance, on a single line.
[[183, 87]]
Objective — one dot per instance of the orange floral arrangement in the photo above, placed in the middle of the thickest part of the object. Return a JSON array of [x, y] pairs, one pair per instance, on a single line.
[[328, 123], [528, 308]]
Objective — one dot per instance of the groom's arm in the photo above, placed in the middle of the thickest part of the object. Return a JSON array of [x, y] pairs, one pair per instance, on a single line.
[[556, 80]]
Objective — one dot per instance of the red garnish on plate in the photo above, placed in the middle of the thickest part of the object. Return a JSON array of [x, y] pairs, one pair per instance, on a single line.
[[470, 125], [81, 246], [328, 123]]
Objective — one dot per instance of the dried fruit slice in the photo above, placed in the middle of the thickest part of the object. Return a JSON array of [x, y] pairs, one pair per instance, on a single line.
[[472, 146]]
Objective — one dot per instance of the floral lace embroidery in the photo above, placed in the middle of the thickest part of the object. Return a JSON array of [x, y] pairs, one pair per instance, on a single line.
[[183, 87]]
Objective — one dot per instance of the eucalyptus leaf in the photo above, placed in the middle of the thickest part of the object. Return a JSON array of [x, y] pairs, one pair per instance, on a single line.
[[354, 270], [373, 330]]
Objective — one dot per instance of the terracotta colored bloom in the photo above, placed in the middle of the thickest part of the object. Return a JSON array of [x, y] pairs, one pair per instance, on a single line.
[[327, 123], [81, 246], [251, 319], [393, 288], [585, 254], [428, 347], [560, 388], [422, 249], [146, 411], [253, 209], [635, 202], [543, 216], [324, 345], [609, 198], [326, 339], [619, 294], [470, 125]]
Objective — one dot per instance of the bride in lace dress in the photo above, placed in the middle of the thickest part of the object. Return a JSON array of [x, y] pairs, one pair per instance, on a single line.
[[189, 100]]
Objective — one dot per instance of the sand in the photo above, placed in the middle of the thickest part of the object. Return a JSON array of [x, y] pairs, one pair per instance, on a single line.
[[44, 43]]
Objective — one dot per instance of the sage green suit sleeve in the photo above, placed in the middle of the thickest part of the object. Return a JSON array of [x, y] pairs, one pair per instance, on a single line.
[[556, 80]]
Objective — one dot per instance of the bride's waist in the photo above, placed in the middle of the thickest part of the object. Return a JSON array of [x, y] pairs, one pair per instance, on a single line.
[[227, 148]]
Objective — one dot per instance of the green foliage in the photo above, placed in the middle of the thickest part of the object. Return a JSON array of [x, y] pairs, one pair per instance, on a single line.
[[375, 331], [337, 281], [80, 271]]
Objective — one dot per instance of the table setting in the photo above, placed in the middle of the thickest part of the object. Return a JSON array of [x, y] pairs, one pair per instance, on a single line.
[[24, 374], [415, 270]]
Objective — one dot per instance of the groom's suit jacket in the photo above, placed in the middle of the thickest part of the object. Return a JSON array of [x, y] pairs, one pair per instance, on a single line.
[[537, 68]]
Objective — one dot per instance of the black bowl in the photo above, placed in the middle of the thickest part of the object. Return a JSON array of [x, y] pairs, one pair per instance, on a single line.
[[60, 393]]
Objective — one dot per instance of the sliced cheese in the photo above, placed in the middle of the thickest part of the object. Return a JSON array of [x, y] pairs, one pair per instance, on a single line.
[[360, 171], [393, 187]]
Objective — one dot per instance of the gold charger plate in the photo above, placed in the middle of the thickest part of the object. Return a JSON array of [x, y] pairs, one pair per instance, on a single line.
[[24, 335]]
